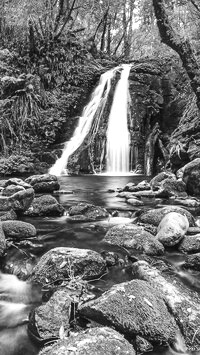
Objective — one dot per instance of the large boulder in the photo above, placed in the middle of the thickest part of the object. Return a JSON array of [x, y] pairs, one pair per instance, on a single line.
[[45, 205], [190, 244], [65, 263], [155, 216], [12, 189], [17, 182], [172, 229], [134, 308], [21, 200], [192, 262], [85, 212], [171, 187], [158, 179], [18, 230], [43, 183], [191, 177], [134, 237], [95, 341]]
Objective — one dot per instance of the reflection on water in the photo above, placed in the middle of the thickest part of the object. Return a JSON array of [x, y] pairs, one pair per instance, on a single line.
[[59, 232]]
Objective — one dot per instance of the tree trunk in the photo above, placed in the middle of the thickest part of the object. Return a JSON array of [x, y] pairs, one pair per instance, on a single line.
[[181, 45], [150, 150]]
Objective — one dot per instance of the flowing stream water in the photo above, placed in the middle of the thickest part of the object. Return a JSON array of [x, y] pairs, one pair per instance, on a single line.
[[55, 232]]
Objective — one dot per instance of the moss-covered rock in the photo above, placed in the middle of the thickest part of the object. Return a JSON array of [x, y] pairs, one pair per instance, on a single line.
[[172, 229], [191, 177], [65, 263], [45, 205], [171, 187], [18, 230], [190, 244], [192, 262], [83, 212], [45, 183], [95, 341], [134, 308], [158, 179], [134, 237]]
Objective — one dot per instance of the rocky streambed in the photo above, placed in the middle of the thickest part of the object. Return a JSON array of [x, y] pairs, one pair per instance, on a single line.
[[113, 270]]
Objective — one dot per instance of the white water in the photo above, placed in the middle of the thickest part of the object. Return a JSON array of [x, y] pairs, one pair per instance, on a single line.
[[117, 133], [94, 107]]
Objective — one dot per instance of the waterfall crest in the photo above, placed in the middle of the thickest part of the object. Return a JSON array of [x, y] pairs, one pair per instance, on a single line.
[[118, 133], [95, 106]]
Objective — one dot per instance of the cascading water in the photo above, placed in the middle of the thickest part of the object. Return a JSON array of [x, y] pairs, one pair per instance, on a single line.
[[118, 133], [94, 108]]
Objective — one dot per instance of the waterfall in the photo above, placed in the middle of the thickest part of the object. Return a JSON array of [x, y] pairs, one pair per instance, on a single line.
[[94, 108], [118, 133]]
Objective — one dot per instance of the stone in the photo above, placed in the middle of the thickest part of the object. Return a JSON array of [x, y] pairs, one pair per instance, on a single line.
[[17, 182], [87, 212], [2, 241], [171, 187], [172, 229], [45, 205], [125, 194], [191, 177], [21, 200], [145, 193], [65, 263], [8, 216], [45, 183], [190, 244], [134, 237], [192, 262], [154, 216], [158, 179], [12, 189], [110, 257], [94, 341], [134, 308], [142, 186], [135, 202], [142, 345], [18, 230], [193, 230]]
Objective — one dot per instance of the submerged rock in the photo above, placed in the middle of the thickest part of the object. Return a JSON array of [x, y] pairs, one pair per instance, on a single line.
[[85, 212], [191, 177], [95, 341], [65, 263], [134, 308], [183, 304], [158, 179], [155, 216], [190, 244], [18, 230], [45, 205], [43, 183], [172, 229], [134, 237]]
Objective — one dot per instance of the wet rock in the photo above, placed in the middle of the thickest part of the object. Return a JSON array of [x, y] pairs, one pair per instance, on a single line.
[[125, 194], [183, 304], [45, 205], [17, 182], [21, 200], [171, 187], [50, 316], [135, 202], [145, 193], [87, 212], [142, 186], [192, 262], [43, 183], [172, 229], [191, 177], [155, 216], [11, 189], [149, 228], [186, 202], [142, 345], [135, 309], [95, 341], [18, 230], [134, 237], [190, 244], [2, 241], [8, 216], [21, 268], [193, 230], [65, 263], [158, 179], [110, 257]]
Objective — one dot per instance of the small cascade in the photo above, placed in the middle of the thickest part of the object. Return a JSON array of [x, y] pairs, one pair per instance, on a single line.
[[118, 133], [94, 109]]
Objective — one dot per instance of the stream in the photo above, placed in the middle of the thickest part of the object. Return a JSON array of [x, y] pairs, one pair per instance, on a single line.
[[59, 232]]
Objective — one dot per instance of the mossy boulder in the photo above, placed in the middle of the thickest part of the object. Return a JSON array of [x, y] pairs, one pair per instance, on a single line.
[[85, 212], [12, 189], [8, 216], [21, 200], [133, 308], [134, 237], [95, 341], [45, 183], [172, 229], [18, 230], [158, 179], [192, 262], [171, 187], [190, 244], [45, 205], [17, 182], [65, 263], [155, 216], [191, 177]]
